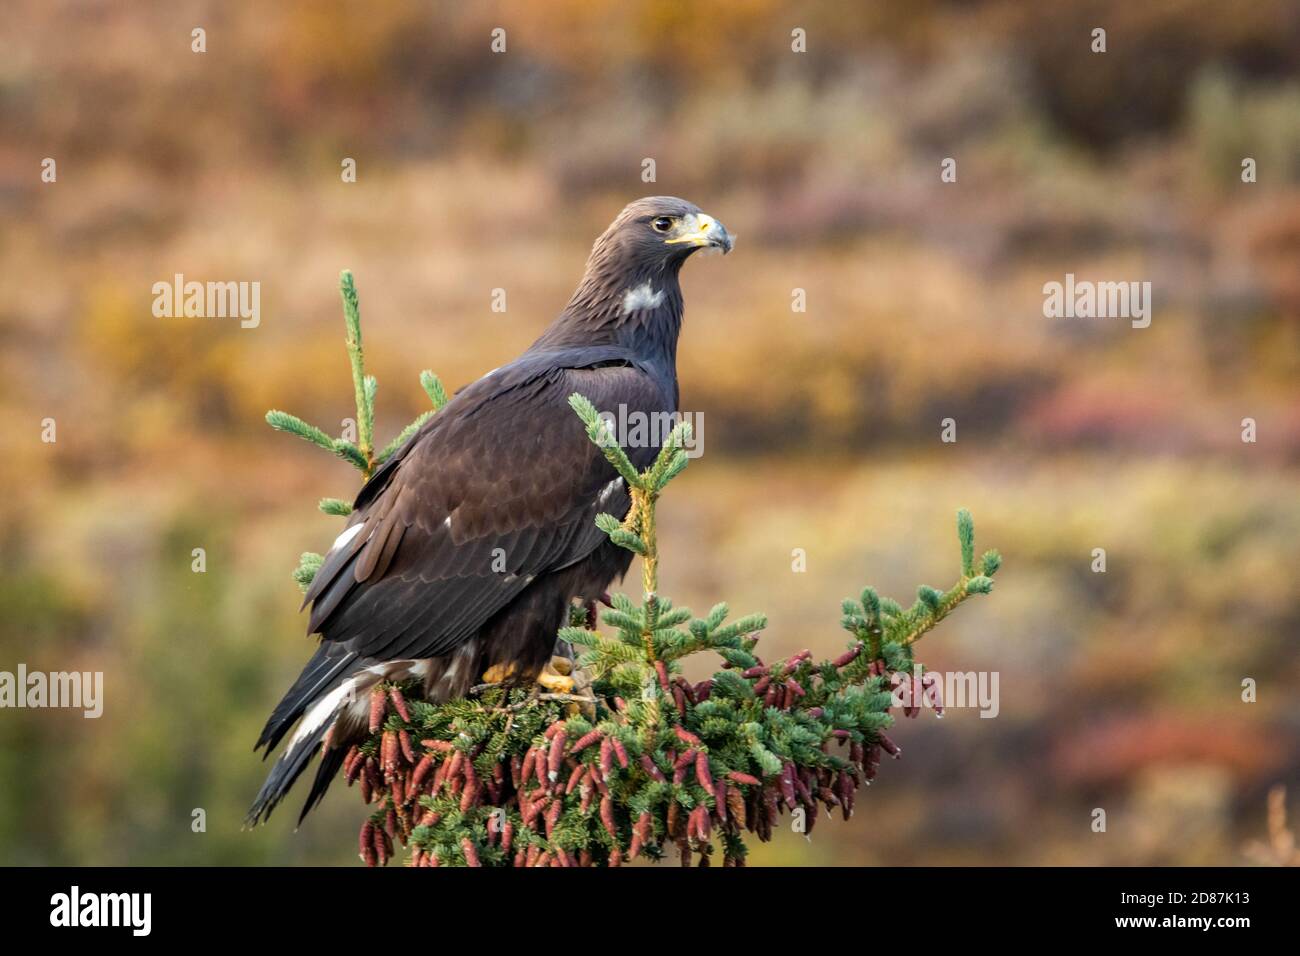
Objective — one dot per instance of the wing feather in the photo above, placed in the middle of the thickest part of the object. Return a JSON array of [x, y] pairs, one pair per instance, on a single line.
[[499, 487]]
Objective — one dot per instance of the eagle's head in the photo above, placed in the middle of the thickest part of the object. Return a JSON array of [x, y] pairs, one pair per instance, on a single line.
[[629, 293], [658, 233]]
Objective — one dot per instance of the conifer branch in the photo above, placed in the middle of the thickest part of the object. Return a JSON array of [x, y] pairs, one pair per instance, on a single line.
[[432, 386], [360, 453], [402, 437], [602, 436], [284, 422], [363, 386], [308, 565], [657, 762]]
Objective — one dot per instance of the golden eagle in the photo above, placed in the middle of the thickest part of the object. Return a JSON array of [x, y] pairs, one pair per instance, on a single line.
[[465, 549]]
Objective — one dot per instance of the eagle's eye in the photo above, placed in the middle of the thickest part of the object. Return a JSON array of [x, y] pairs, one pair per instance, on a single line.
[[662, 224]]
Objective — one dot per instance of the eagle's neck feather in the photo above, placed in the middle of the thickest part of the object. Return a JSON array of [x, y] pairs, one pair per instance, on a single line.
[[639, 311]]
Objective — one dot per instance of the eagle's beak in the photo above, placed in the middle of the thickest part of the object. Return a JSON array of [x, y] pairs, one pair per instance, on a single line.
[[702, 230]]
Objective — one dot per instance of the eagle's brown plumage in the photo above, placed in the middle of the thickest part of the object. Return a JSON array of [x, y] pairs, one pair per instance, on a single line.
[[465, 549]]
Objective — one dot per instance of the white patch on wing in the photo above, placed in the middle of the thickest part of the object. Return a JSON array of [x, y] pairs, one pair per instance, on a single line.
[[643, 296], [347, 535], [353, 695], [421, 668], [398, 670], [608, 490], [453, 670], [465, 654], [324, 709]]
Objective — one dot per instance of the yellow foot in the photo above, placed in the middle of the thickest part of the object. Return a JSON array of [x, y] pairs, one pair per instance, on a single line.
[[498, 673], [554, 676]]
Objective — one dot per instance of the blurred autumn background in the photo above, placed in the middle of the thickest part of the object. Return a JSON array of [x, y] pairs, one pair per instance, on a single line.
[[1119, 690]]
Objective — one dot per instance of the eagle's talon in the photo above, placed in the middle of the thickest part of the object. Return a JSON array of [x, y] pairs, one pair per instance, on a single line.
[[553, 680], [498, 673]]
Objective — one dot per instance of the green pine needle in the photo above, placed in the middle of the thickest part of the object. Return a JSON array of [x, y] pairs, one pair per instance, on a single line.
[[432, 386], [308, 565], [628, 540], [350, 453], [930, 597], [362, 389], [284, 422], [966, 535], [602, 436], [391, 448]]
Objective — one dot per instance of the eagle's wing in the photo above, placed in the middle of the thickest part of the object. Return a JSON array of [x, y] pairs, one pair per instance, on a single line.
[[499, 487]]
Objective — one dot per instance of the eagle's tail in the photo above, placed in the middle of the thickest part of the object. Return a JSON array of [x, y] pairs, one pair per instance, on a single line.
[[328, 667], [322, 691], [332, 697], [287, 769]]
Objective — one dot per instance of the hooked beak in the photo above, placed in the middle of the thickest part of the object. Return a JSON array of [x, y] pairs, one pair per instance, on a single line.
[[701, 230]]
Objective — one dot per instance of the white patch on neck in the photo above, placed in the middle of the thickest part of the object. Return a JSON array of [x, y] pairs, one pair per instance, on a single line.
[[642, 297]]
